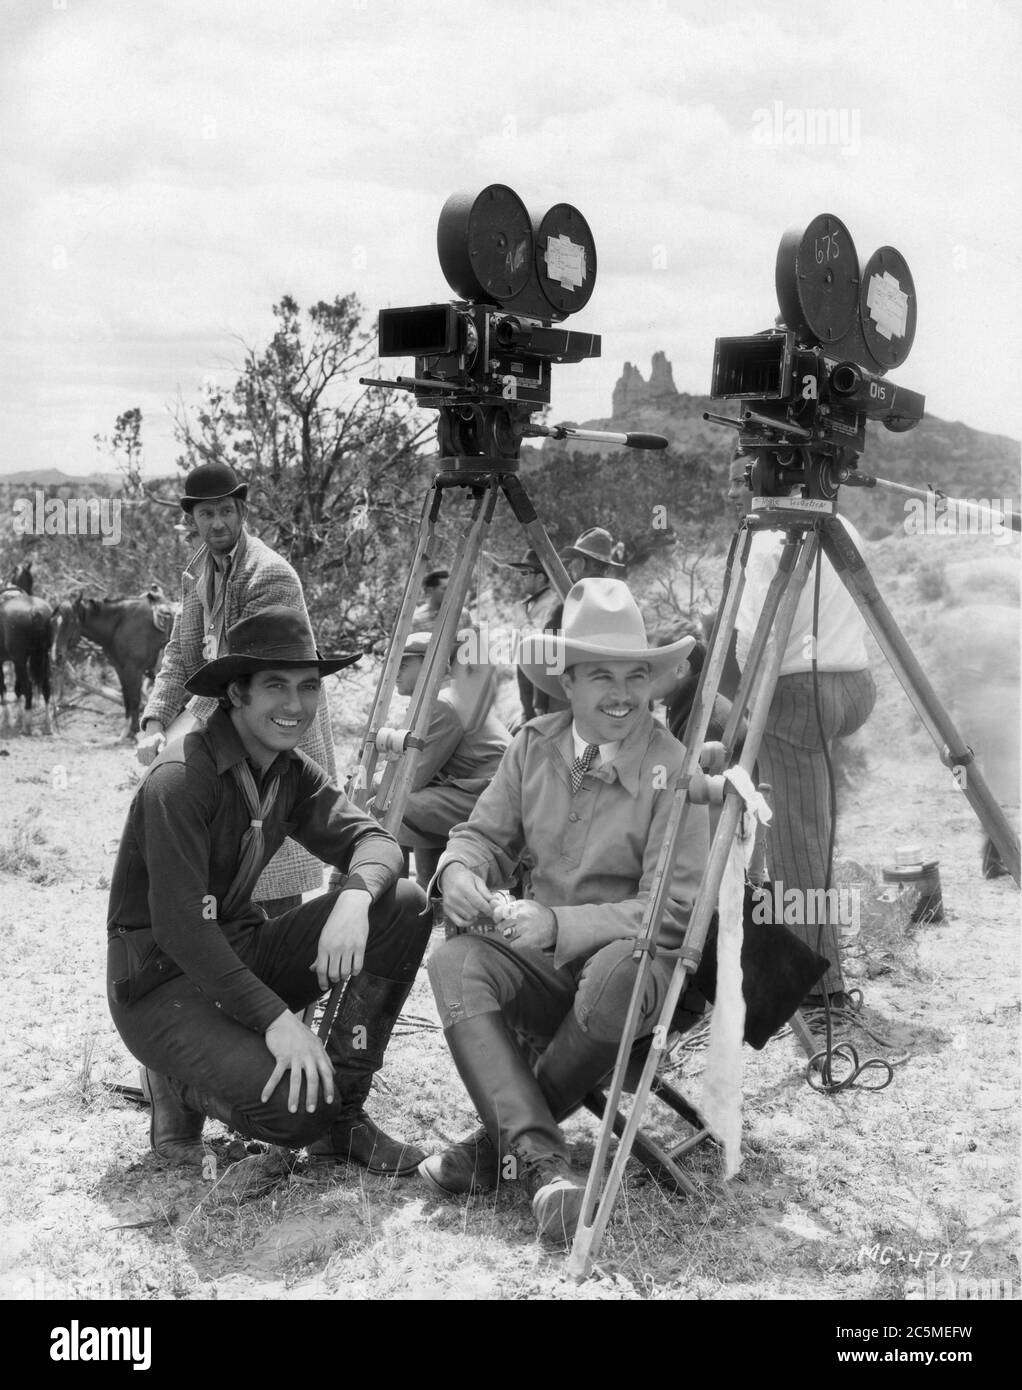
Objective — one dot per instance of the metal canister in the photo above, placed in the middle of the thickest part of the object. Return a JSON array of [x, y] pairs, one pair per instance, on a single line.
[[920, 879]]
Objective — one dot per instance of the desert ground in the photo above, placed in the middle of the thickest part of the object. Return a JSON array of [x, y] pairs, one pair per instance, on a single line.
[[861, 1194]]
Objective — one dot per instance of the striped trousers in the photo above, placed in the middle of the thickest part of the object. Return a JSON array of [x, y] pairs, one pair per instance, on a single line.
[[791, 759]]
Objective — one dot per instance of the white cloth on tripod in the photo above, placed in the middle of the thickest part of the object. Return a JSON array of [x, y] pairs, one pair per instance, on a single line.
[[841, 640], [721, 1102]]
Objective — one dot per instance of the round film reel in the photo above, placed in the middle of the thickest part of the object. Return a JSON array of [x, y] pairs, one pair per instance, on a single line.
[[817, 279], [565, 259], [485, 243], [887, 307]]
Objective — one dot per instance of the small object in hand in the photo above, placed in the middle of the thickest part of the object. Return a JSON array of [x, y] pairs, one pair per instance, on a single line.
[[510, 933], [503, 905]]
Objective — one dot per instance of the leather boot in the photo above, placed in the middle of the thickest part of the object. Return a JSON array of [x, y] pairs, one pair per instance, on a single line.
[[470, 1166], [517, 1119], [572, 1065], [175, 1124], [358, 1040]]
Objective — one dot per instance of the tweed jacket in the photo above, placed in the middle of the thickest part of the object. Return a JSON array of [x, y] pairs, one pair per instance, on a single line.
[[259, 578], [592, 855]]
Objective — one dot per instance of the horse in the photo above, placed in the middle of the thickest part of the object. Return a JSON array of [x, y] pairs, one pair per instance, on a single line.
[[132, 633], [25, 642]]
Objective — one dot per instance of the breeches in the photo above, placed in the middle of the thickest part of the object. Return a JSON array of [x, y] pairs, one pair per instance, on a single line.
[[476, 974], [179, 1032]]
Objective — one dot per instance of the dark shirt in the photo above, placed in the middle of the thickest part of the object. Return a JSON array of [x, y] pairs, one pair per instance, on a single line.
[[180, 850]]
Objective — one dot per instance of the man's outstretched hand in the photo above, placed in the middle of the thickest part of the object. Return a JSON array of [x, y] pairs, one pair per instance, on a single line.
[[298, 1050]]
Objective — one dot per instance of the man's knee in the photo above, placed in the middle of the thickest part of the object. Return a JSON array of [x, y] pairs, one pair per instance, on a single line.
[[605, 990], [470, 977]]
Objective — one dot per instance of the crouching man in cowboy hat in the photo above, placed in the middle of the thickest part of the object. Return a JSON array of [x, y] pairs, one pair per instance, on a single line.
[[583, 796], [201, 984], [233, 575]]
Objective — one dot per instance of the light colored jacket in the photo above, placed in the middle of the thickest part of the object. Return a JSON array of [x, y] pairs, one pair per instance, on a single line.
[[592, 855], [259, 578]]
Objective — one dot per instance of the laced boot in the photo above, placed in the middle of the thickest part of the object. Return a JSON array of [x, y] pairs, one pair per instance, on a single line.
[[470, 1166], [358, 1040]]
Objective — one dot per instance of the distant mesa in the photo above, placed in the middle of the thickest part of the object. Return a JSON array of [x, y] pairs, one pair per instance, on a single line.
[[633, 391]]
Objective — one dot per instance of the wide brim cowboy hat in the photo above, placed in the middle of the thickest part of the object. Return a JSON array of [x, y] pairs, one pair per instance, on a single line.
[[277, 639], [601, 622], [209, 483], [593, 544]]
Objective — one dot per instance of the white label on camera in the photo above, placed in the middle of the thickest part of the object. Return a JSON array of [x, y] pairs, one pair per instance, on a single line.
[[565, 262], [888, 304]]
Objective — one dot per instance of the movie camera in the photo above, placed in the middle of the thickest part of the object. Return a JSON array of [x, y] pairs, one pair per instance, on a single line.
[[484, 361], [809, 385]]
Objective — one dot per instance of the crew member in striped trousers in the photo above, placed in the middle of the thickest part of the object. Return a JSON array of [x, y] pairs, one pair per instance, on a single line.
[[792, 754]]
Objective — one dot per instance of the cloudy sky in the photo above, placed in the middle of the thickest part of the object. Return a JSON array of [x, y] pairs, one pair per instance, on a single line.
[[171, 168]]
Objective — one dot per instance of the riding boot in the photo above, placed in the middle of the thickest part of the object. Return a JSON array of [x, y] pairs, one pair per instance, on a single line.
[[572, 1065], [175, 1121], [518, 1121], [358, 1039]]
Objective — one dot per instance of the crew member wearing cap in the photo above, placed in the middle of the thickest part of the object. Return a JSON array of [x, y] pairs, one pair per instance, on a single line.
[[202, 987], [583, 796], [543, 607], [233, 575], [464, 746]]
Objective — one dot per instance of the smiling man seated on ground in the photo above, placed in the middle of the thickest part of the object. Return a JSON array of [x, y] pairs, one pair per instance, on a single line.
[[583, 796], [201, 985]]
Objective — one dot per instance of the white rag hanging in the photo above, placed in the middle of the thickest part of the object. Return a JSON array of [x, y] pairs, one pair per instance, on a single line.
[[721, 1102]]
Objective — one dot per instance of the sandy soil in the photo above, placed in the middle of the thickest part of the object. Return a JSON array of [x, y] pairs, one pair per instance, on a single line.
[[859, 1194]]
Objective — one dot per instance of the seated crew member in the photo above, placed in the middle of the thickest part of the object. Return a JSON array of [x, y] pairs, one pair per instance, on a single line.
[[542, 604], [584, 795], [434, 587], [201, 985], [463, 750]]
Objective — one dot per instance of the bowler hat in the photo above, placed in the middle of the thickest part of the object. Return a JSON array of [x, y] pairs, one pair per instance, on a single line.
[[594, 544], [601, 621], [209, 482], [277, 639]]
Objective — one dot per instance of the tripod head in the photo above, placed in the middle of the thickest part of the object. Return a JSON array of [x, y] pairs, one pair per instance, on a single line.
[[484, 361], [808, 385]]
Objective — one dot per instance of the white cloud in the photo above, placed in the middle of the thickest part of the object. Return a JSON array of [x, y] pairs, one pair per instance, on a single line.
[[174, 168]]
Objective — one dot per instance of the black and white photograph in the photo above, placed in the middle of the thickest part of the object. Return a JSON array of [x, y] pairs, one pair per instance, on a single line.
[[509, 664]]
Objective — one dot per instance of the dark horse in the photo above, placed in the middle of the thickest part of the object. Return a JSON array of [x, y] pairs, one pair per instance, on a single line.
[[25, 642], [127, 631]]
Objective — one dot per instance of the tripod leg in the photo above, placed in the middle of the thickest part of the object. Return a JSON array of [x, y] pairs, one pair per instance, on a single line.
[[395, 797], [361, 784], [766, 655], [521, 504], [954, 751]]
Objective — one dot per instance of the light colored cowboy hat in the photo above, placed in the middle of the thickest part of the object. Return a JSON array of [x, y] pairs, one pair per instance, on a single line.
[[601, 621], [594, 544], [275, 639]]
